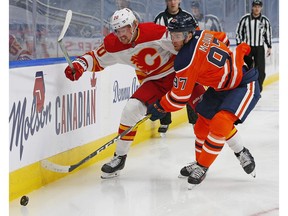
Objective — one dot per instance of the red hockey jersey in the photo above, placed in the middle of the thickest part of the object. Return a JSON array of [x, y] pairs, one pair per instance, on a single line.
[[151, 54]]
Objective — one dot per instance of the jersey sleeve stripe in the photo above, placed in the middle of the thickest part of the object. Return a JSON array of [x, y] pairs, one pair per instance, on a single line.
[[246, 100], [235, 73], [174, 104], [220, 85], [91, 58], [186, 98]]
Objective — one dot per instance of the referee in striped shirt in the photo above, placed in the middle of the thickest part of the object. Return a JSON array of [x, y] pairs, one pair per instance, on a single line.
[[255, 29]]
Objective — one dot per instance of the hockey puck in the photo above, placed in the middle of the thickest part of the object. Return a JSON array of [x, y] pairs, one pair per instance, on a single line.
[[24, 200]]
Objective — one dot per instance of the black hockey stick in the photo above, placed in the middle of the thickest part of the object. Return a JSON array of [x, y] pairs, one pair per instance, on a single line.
[[66, 169]]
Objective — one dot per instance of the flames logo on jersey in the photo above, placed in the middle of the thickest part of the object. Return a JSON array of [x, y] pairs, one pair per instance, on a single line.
[[147, 60]]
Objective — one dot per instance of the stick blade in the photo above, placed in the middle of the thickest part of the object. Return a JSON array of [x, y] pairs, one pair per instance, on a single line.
[[54, 167], [66, 24]]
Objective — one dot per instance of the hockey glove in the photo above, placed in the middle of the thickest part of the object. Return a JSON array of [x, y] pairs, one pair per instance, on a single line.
[[156, 111], [80, 65]]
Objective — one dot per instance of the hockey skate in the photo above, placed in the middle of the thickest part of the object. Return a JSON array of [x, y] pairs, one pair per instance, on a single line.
[[112, 168], [163, 129], [164, 124], [247, 161], [197, 175], [187, 170]]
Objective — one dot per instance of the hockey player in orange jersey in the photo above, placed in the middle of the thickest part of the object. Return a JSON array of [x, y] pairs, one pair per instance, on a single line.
[[204, 58]]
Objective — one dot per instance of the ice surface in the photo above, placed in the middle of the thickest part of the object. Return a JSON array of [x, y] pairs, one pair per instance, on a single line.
[[149, 184]]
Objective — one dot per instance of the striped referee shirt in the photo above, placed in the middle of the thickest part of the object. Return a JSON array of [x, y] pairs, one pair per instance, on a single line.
[[255, 31]]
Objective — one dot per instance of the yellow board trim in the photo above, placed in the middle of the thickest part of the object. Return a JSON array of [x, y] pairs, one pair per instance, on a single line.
[[271, 79], [34, 176]]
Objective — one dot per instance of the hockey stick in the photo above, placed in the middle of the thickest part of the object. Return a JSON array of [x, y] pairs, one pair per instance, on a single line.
[[66, 169], [61, 36]]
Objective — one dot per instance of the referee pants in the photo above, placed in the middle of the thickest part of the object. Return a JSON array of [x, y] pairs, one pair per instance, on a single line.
[[256, 59]]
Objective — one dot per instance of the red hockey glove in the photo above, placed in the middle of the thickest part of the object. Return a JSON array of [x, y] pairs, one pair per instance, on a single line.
[[80, 65], [156, 111]]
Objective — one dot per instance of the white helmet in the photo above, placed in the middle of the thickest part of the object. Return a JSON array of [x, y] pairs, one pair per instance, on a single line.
[[122, 18]]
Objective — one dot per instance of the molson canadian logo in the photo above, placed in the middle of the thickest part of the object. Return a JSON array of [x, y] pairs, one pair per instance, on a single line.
[[64, 113]]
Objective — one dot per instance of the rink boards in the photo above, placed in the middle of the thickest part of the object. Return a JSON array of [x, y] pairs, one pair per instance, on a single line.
[[52, 118]]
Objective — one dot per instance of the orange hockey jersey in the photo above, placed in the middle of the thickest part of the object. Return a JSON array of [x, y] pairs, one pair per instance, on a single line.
[[206, 60]]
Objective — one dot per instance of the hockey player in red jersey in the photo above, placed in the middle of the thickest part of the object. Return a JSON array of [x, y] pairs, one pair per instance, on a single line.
[[145, 47], [204, 58]]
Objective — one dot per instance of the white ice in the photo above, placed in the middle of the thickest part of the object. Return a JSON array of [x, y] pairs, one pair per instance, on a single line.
[[149, 184]]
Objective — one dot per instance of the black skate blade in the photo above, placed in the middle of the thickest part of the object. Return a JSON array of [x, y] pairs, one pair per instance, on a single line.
[[110, 175]]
